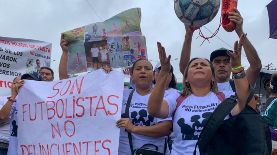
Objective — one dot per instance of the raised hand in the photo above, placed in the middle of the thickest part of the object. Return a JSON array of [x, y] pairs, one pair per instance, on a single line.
[[64, 44], [16, 85], [190, 29], [164, 60], [236, 17], [236, 55], [126, 71]]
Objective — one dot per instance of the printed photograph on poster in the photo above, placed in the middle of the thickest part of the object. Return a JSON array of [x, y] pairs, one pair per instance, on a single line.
[[34, 64], [77, 58], [116, 42], [124, 51], [115, 51]]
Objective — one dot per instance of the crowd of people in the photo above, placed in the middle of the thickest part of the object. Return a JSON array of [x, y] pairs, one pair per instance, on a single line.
[[155, 115]]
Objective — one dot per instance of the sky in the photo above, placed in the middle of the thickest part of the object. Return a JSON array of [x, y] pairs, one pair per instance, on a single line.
[[46, 19]]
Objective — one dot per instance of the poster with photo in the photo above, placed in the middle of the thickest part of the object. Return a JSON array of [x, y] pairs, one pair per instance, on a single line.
[[116, 42], [19, 56]]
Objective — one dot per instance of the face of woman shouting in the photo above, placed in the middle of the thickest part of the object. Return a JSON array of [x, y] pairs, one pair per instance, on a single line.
[[142, 74]]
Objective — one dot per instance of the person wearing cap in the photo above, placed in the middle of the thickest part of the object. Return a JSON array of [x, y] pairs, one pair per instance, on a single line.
[[31, 76], [220, 58], [9, 110], [6, 103], [190, 110], [12, 150]]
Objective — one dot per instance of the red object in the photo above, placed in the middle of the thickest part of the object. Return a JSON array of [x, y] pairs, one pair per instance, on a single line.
[[228, 6]]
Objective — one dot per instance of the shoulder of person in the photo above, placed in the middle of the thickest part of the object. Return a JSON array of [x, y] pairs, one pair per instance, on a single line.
[[127, 91], [3, 100], [274, 102], [228, 93]]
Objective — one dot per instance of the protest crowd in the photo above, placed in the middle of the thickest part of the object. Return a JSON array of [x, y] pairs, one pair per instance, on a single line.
[[216, 112]]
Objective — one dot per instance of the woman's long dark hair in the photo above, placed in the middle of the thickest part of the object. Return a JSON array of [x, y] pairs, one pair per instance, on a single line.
[[134, 64], [173, 81]]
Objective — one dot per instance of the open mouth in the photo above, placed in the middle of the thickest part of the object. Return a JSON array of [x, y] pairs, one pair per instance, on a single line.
[[142, 77]]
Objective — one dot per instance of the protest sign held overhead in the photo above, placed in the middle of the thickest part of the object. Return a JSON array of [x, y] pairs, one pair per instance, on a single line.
[[76, 116], [19, 56], [117, 42]]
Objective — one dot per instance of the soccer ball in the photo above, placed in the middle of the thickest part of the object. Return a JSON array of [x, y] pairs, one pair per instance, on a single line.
[[196, 12]]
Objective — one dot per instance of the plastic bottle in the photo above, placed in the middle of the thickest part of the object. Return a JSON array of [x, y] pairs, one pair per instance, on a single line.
[[228, 6]]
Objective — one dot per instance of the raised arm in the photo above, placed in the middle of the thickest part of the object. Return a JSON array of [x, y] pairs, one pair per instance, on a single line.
[[158, 107], [6, 109], [240, 79], [63, 73], [186, 49], [252, 56]]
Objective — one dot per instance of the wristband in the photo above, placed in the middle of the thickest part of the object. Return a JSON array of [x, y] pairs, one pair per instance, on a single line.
[[238, 71], [11, 99], [237, 67], [239, 75]]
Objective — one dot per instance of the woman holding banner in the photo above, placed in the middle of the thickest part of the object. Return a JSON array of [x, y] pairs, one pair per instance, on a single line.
[[141, 127]]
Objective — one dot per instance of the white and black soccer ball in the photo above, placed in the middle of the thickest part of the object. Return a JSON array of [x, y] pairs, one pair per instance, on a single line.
[[196, 12]]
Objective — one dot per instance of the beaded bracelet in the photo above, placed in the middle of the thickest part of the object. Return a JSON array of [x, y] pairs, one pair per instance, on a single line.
[[237, 67], [239, 75], [238, 71]]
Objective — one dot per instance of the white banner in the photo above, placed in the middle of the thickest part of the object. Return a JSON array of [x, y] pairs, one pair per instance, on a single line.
[[76, 116], [18, 56]]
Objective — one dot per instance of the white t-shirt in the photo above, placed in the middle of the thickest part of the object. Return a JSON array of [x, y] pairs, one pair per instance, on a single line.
[[12, 150], [94, 52], [104, 56], [139, 115], [189, 120], [4, 126], [172, 91], [225, 86]]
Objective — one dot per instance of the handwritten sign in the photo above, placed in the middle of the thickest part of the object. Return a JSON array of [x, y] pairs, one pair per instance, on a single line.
[[76, 116]]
